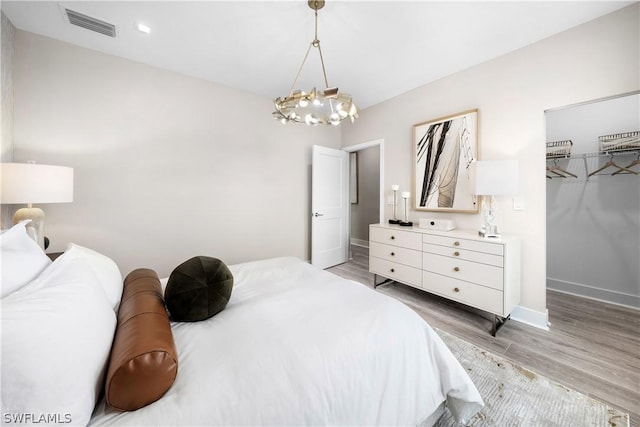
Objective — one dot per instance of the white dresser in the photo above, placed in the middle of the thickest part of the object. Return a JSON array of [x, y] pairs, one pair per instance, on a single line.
[[458, 265]]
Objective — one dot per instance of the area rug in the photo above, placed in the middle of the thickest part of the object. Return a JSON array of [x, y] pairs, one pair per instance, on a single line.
[[515, 396]]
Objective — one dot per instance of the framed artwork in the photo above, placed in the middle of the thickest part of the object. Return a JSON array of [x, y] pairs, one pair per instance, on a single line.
[[443, 149], [353, 177]]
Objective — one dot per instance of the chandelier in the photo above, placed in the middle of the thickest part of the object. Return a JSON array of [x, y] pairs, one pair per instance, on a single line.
[[315, 107]]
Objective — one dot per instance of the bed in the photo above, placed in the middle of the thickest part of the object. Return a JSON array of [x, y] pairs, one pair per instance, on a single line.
[[294, 346]]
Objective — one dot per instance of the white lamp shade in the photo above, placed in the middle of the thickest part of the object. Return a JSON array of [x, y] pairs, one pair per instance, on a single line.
[[495, 177], [35, 183]]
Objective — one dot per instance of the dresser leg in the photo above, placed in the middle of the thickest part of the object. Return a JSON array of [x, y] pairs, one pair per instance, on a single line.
[[498, 322], [375, 281]]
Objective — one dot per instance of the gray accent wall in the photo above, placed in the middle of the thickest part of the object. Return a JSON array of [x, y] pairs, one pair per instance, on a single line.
[[367, 210], [6, 87]]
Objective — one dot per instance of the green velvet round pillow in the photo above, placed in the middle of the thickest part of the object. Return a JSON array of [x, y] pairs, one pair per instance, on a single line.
[[198, 289]]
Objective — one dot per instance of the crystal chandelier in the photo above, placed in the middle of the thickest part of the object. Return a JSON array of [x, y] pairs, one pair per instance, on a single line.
[[315, 107]]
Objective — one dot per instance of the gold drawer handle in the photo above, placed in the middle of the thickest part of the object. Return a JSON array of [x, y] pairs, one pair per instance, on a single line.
[[393, 254], [392, 270], [456, 253], [456, 289], [456, 243], [456, 268]]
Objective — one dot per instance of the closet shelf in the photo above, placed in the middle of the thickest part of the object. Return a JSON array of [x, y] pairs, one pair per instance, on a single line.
[[558, 149], [625, 141]]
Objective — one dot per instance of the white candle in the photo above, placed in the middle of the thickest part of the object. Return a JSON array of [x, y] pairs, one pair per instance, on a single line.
[[395, 187], [406, 194]]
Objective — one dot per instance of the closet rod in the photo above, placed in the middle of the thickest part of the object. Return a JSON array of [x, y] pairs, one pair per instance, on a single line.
[[585, 156], [598, 154]]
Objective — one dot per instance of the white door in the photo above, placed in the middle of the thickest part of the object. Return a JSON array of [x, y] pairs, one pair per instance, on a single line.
[[329, 207]]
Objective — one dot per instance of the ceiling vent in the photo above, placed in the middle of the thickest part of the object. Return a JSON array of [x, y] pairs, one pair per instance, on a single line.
[[89, 23]]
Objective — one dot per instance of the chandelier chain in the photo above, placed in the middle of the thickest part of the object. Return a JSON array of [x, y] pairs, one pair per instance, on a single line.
[[316, 43], [315, 38]]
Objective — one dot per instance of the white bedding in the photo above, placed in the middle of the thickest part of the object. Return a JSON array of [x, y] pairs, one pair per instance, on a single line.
[[301, 346]]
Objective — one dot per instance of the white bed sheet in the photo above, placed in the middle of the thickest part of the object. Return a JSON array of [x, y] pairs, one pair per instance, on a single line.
[[301, 346]]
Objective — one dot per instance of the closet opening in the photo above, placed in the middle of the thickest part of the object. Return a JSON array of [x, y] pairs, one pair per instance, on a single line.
[[593, 199]]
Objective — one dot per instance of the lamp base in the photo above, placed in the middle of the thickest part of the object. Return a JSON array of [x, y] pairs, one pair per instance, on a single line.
[[489, 228], [394, 221], [35, 228], [406, 223], [488, 234]]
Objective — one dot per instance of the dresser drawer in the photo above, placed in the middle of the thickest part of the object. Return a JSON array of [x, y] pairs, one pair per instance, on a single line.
[[483, 257], [393, 270], [472, 245], [467, 293], [483, 274], [397, 254], [406, 239]]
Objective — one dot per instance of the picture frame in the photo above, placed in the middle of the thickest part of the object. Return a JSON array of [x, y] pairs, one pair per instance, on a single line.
[[443, 150], [353, 177]]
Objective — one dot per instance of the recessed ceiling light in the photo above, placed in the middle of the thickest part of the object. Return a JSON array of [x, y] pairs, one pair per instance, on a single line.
[[143, 28]]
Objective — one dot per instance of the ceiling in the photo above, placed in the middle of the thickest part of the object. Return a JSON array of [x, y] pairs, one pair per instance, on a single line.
[[374, 50]]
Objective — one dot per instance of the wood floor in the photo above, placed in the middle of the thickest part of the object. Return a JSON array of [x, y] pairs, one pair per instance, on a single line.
[[592, 347]]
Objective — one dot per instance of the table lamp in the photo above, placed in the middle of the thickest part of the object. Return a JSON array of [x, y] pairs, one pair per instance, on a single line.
[[30, 183], [493, 178]]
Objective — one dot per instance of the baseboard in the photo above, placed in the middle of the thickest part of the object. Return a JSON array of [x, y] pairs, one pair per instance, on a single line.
[[359, 242], [537, 319], [591, 292]]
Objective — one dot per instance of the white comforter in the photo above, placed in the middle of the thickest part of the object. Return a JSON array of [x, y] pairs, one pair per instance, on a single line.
[[301, 346]]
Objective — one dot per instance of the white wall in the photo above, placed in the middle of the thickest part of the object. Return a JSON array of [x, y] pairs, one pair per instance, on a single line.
[[367, 210], [593, 223], [594, 60], [166, 166]]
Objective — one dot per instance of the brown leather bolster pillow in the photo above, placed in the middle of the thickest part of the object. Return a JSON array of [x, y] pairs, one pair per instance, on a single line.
[[144, 362]]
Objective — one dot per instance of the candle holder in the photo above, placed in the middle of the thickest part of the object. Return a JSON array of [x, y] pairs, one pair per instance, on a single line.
[[406, 222], [395, 219]]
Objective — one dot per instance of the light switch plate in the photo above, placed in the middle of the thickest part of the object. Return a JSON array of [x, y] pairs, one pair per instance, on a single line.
[[518, 203]]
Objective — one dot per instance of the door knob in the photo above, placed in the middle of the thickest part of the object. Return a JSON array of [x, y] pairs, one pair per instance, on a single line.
[[316, 214]]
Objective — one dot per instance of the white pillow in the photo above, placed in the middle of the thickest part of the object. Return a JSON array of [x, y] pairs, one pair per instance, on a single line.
[[21, 258], [56, 339], [103, 270]]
